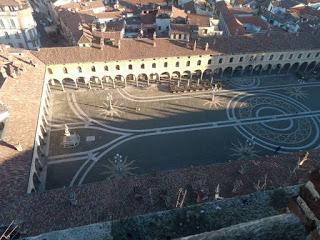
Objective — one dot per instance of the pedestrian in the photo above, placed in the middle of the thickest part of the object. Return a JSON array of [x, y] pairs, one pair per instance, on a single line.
[[277, 149]]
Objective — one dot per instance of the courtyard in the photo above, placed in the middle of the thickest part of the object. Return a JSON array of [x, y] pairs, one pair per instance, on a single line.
[[133, 131]]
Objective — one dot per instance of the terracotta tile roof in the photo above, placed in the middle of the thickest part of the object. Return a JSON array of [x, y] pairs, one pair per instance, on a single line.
[[178, 13], [234, 26], [14, 3], [240, 10], [305, 11], [181, 28], [279, 41], [22, 97], [149, 18], [83, 6], [72, 20], [285, 3], [255, 20], [52, 210], [199, 20], [109, 14]]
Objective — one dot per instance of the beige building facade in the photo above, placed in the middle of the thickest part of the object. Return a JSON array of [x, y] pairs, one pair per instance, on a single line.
[[152, 70]]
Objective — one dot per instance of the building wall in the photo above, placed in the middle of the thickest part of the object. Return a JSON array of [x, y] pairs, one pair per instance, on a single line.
[[18, 28], [197, 63]]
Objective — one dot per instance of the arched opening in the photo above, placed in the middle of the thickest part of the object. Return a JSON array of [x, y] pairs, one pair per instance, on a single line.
[[294, 67], [276, 69], [175, 75], [311, 66], [164, 77], [131, 79], [95, 82], [207, 74], [238, 71], [119, 80], [142, 77], [38, 165], [69, 83], [217, 72], [36, 181], [257, 69], [55, 84], [185, 77], [266, 69], [81, 82], [248, 70], [196, 75], [303, 67], [154, 77], [285, 68], [227, 72]]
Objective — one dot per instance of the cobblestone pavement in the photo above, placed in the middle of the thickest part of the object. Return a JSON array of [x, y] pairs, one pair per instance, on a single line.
[[154, 130]]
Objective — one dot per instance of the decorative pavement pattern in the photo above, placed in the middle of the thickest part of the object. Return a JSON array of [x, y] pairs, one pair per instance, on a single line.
[[131, 131]]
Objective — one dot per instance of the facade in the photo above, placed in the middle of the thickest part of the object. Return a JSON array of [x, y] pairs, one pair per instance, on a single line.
[[17, 26], [158, 59]]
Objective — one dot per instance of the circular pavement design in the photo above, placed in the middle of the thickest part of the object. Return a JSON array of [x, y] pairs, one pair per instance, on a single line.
[[291, 134]]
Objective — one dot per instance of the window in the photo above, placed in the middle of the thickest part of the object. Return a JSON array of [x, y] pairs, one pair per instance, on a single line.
[[130, 66], [117, 67], [177, 64], [308, 55], [317, 55], [65, 70], [79, 69], [13, 25], [199, 62], [1, 24], [241, 59], [281, 57], [7, 35], [205, 31], [93, 68], [142, 66], [153, 65], [50, 71], [262, 57], [231, 60], [290, 56], [159, 28], [165, 64], [220, 60], [17, 35], [21, 45], [300, 55], [209, 61], [188, 63], [106, 68], [271, 57]]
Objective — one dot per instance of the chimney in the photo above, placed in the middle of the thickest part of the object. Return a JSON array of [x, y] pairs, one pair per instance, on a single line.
[[195, 45], [214, 41], [154, 43], [119, 43], [154, 35], [207, 47], [297, 33], [268, 34]]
